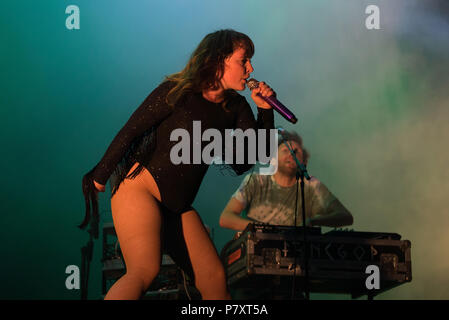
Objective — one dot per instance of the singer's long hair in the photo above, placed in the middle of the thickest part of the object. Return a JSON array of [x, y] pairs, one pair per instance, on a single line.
[[205, 67]]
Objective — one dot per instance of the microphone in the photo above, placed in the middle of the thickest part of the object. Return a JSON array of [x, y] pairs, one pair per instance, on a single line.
[[282, 131], [273, 102]]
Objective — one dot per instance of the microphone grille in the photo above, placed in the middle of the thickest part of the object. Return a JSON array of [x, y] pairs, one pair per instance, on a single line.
[[252, 83]]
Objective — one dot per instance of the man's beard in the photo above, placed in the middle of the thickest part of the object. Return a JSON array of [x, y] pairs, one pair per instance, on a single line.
[[287, 171]]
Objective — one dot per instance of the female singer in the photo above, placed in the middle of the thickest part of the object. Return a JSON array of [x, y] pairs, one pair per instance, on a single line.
[[152, 197]]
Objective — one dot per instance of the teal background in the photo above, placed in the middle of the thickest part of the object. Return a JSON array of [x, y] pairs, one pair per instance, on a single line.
[[372, 108]]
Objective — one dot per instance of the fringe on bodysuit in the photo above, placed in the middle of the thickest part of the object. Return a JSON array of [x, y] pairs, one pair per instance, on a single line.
[[140, 151]]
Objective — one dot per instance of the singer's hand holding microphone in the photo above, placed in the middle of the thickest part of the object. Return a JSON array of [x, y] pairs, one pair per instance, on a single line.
[[257, 94], [265, 98]]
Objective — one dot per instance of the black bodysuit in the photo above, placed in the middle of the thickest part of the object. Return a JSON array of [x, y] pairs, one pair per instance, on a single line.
[[179, 184]]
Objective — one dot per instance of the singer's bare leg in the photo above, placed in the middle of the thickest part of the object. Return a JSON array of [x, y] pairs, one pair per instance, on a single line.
[[137, 221], [210, 276]]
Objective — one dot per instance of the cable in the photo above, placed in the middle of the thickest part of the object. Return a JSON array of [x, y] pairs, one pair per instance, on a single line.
[[185, 284]]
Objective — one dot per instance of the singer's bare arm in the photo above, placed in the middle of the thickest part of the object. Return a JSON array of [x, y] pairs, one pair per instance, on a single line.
[[230, 217]]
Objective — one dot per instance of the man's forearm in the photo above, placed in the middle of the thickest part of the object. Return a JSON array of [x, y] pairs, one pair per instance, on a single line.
[[231, 220]]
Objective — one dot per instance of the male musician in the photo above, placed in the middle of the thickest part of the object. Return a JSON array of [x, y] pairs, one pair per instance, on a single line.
[[271, 199]]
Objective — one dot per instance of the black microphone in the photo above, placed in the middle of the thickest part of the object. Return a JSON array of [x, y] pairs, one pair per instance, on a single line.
[[273, 102], [281, 131]]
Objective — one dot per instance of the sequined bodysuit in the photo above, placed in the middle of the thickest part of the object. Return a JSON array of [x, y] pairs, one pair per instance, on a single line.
[[179, 183]]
